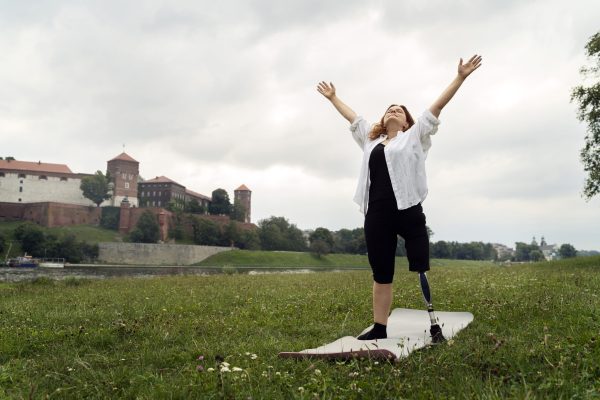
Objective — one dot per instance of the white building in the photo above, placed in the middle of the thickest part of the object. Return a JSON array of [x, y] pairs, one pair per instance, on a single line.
[[34, 182]]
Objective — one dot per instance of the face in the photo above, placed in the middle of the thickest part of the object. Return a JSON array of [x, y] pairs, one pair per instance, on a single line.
[[396, 113]]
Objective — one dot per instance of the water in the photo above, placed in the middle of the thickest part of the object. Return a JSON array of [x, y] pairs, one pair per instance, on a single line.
[[103, 272], [20, 274]]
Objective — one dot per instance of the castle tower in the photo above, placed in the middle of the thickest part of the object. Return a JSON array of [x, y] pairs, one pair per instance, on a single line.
[[124, 172], [243, 196]]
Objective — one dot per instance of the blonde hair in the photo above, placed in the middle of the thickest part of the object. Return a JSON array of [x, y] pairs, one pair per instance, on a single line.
[[378, 129]]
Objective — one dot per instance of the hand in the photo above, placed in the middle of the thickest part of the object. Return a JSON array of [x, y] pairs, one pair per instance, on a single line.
[[465, 70], [327, 90]]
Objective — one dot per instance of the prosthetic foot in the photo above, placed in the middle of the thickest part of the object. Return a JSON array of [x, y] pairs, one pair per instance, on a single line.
[[435, 330]]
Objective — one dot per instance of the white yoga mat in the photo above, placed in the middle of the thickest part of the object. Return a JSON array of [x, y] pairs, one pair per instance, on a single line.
[[407, 330]]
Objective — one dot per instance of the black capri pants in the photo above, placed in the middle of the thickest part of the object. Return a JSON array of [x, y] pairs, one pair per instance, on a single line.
[[383, 223]]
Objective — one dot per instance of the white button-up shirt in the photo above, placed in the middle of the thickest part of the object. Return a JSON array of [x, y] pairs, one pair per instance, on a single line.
[[405, 156]]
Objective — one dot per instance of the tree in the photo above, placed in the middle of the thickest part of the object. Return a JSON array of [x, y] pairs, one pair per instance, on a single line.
[[249, 240], [536, 255], [567, 251], [110, 217], [231, 234], [440, 249], [194, 207], [588, 99], [276, 233], [146, 230], [527, 252], [31, 237], [319, 248], [206, 232], [238, 213], [324, 235], [220, 204], [95, 188]]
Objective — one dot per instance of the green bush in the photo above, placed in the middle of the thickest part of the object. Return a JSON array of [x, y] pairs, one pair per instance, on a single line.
[[146, 230], [110, 217]]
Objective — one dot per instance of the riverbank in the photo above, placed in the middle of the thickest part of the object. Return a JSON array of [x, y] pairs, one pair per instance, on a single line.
[[95, 271]]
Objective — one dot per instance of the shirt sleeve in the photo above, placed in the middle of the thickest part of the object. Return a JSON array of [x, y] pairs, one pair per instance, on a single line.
[[426, 125], [360, 130]]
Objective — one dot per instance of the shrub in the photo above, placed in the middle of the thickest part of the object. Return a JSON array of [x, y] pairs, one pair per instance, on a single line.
[[146, 230], [110, 218]]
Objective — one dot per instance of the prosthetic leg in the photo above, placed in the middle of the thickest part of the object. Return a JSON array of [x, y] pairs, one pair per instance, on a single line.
[[435, 330]]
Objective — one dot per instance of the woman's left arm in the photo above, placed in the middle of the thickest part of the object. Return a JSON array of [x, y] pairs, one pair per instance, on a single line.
[[464, 70]]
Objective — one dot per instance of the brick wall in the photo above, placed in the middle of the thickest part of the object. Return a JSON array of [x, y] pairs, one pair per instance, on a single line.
[[50, 214]]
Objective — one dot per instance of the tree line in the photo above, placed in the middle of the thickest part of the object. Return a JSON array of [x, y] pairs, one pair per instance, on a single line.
[[277, 233], [39, 243]]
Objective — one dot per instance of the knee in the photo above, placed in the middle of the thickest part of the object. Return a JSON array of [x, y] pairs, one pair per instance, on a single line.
[[383, 278]]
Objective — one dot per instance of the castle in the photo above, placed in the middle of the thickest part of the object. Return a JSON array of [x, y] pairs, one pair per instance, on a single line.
[[31, 184]]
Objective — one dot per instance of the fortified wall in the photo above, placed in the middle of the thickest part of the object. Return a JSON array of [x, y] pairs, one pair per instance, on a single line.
[[155, 254], [50, 214]]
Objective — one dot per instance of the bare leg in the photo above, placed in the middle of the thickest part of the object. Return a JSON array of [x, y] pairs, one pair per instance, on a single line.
[[382, 301], [435, 330]]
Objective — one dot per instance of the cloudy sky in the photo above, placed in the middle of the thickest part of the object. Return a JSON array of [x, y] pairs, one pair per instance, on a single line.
[[219, 94]]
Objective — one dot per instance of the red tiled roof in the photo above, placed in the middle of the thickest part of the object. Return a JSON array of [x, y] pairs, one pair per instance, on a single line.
[[243, 188], [124, 157], [192, 193], [161, 179], [35, 167]]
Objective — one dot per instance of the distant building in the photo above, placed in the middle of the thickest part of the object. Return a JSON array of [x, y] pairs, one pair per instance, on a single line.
[[124, 172], [35, 182], [158, 192], [504, 252], [243, 196], [23, 182], [550, 251]]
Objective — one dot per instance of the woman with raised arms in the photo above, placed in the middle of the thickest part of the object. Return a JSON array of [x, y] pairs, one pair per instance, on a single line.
[[391, 187]]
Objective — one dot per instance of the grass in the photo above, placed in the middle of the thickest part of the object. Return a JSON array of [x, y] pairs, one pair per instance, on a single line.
[[291, 259], [536, 334]]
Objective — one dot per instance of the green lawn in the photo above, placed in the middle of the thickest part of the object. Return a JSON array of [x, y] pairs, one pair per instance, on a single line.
[[291, 259], [536, 334]]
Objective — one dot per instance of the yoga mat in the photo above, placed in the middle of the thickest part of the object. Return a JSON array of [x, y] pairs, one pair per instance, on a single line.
[[407, 330]]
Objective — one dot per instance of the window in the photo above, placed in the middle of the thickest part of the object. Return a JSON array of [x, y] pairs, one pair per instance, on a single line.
[[63, 179], [1, 174], [43, 178], [126, 185], [159, 203], [19, 200], [21, 189], [22, 176]]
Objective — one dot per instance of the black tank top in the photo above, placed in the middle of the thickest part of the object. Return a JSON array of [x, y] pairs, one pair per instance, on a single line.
[[380, 190]]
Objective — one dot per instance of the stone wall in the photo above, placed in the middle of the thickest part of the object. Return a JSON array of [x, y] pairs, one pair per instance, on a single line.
[[155, 254], [50, 214]]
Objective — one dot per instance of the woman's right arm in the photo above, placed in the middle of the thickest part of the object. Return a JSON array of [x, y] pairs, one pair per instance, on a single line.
[[328, 90]]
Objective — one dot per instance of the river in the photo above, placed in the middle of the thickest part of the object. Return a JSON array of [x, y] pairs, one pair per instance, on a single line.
[[102, 272]]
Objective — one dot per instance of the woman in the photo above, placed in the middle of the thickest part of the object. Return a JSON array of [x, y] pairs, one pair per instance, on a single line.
[[391, 187]]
